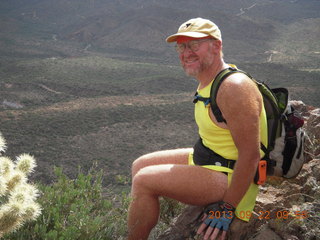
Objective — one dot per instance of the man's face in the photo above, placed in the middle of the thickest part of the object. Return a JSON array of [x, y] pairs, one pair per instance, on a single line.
[[196, 55]]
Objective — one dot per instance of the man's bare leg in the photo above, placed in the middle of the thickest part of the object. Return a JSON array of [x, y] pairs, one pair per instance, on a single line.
[[174, 156], [189, 184]]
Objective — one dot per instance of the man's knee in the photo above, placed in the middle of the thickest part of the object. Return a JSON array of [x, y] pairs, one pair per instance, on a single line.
[[135, 167], [146, 160], [140, 181], [139, 163], [174, 156]]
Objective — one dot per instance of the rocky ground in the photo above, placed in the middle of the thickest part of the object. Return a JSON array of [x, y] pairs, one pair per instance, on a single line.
[[285, 209]]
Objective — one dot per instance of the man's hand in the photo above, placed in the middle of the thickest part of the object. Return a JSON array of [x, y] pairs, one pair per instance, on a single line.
[[218, 216]]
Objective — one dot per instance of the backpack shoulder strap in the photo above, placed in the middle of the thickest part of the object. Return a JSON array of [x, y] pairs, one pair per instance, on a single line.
[[215, 87]]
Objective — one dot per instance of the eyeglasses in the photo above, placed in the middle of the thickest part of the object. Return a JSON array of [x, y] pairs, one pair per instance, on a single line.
[[193, 45]]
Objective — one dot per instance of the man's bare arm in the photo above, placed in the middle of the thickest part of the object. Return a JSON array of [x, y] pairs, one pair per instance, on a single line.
[[240, 103]]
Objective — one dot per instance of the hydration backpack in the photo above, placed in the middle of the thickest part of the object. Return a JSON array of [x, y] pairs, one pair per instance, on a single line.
[[284, 155]]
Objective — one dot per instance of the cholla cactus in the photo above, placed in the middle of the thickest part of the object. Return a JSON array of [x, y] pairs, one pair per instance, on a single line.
[[2, 144], [17, 196]]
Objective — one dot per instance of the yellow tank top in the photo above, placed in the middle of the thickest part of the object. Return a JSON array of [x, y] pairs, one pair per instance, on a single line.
[[219, 139]]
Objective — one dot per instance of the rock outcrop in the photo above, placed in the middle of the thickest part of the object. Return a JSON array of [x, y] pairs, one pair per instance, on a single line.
[[285, 209]]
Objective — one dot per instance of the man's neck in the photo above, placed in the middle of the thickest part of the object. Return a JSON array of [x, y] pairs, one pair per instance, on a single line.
[[206, 77]]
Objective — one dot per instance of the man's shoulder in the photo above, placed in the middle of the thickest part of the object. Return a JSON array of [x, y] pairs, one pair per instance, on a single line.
[[238, 82], [238, 91]]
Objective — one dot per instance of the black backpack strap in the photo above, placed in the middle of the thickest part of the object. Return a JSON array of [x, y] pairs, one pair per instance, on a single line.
[[215, 87]]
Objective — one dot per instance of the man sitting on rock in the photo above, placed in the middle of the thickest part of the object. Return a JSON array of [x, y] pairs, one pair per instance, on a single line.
[[194, 175]]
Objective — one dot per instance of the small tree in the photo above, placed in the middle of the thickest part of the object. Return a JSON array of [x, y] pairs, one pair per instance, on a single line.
[[17, 196]]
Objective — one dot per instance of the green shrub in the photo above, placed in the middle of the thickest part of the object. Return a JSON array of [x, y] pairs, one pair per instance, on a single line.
[[77, 209]]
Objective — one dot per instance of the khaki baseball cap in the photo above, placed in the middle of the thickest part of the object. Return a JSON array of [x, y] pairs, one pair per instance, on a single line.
[[197, 28]]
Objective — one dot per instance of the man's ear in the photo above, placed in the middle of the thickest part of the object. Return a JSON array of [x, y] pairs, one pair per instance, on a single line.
[[217, 46]]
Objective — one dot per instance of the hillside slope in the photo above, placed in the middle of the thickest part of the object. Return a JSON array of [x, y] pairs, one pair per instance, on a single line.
[[251, 28], [93, 80]]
